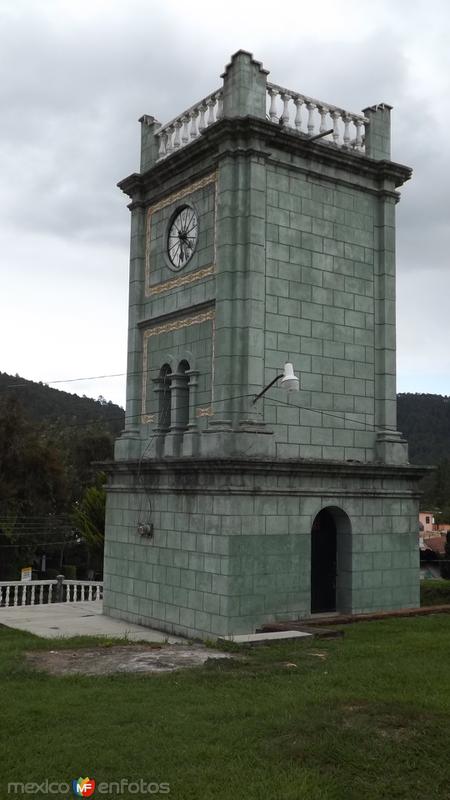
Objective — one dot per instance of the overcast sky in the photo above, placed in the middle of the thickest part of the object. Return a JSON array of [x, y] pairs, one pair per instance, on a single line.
[[76, 76]]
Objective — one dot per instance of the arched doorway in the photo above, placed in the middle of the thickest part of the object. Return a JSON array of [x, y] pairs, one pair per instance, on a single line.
[[323, 562]]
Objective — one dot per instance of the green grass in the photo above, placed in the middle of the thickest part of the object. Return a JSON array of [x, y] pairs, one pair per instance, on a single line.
[[369, 720], [434, 592]]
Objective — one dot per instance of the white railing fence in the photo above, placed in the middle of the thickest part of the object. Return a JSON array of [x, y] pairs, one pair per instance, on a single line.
[[313, 117], [80, 591], [190, 124], [60, 590], [290, 109]]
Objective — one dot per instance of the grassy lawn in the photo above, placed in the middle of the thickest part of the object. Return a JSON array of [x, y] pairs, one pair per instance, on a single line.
[[368, 718]]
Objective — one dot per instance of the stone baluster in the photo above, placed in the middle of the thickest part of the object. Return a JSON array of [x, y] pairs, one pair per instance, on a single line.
[[162, 145], [169, 147], [211, 105], [41, 592], [358, 126], [336, 133], [347, 119], [7, 596], [219, 112], [185, 131], [177, 139], [273, 93], [298, 102], [201, 123], [90, 593], [285, 115], [323, 111], [33, 590], [15, 595], [194, 117], [311, 107]]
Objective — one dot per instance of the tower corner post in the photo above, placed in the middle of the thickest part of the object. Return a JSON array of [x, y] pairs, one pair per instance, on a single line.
[[244, 87], [378, 131], [149, 142]]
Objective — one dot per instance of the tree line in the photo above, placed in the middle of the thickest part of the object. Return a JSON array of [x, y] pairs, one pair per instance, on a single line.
[[52, 498]]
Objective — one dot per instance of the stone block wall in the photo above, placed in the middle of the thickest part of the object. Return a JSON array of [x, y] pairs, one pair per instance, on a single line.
[[236, 553], [320, 311]]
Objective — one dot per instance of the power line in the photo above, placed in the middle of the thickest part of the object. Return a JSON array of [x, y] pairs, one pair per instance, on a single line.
[[67, 380], [41, 544]]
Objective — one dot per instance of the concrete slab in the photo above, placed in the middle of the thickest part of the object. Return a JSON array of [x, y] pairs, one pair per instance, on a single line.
[[261, 638], [77, 619]]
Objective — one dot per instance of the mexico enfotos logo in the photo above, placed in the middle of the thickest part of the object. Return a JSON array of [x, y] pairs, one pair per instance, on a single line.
[[87, 787]]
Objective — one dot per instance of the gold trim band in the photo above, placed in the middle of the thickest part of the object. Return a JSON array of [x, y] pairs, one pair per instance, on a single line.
[[177, 324], [183, 280]]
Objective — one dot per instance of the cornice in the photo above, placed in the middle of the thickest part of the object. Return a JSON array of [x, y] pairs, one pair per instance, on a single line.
[[236, 136], [190, 466]]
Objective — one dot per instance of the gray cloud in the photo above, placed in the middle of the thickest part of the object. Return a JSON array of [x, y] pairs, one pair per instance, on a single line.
[[76, 77]]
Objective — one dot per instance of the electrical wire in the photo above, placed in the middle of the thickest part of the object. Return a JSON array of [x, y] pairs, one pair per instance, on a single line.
[[41, 544], [323, 411], [137, 416]]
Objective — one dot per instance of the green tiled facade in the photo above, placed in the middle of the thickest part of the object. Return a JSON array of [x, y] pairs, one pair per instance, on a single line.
[[295, 261]]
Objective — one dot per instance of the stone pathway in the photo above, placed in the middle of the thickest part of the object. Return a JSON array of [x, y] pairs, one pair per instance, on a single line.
[[77, 619]]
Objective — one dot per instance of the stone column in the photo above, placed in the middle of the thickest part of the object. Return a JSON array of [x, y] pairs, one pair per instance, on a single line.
[[179, 391], [190, 436]]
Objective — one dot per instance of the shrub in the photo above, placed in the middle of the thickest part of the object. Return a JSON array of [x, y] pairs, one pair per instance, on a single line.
[[69, 571], [434, 593]]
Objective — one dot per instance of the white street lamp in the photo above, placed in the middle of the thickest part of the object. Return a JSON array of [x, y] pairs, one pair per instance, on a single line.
[[289, 381]]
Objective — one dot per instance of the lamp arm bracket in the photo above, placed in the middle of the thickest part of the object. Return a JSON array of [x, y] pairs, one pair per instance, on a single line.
[[266, 388]]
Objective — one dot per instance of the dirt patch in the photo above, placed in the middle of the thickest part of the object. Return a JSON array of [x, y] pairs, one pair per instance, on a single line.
[[382, 723], [107, 660]]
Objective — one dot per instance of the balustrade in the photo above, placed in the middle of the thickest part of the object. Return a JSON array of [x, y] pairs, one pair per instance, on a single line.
[[36, 593], [313, 118], [190, 124]]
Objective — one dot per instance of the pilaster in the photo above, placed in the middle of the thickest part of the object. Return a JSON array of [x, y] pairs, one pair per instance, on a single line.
[[390, 446], [128, 445]]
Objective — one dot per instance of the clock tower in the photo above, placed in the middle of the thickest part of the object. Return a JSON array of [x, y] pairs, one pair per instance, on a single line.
[[262, 232]]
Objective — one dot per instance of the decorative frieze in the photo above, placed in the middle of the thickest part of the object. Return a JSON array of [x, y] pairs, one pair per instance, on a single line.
[[177, 324], [205, 412], [183, 280]]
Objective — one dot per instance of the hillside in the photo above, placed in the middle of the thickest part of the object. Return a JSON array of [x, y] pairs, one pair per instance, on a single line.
[[43, 404], [425, 421]]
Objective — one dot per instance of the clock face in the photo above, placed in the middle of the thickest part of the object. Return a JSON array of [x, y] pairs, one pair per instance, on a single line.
[[182, 237]]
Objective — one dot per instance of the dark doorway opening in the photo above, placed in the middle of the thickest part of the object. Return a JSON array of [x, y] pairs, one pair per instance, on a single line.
[[323, 563]]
